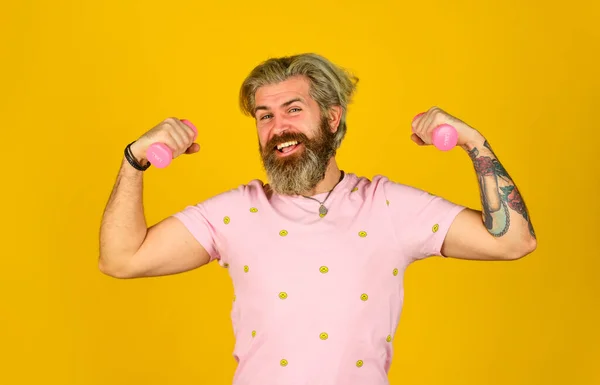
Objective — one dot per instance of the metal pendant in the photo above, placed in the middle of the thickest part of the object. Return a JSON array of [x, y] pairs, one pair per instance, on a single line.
[[322, 210]]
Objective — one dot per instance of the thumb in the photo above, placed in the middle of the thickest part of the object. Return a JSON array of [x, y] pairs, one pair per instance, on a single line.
[[195, 147], [415, 138]]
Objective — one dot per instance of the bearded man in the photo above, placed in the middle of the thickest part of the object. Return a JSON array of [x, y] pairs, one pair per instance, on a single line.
[[316, 255]]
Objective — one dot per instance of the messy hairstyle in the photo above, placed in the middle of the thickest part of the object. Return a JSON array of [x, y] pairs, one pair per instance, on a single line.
[[330, 85]]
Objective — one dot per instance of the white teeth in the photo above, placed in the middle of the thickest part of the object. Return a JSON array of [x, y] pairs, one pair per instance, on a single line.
[[286, 144]]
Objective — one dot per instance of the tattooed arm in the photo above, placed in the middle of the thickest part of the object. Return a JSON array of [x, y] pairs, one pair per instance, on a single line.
[[502, 229], [498, 192], [507, 232]]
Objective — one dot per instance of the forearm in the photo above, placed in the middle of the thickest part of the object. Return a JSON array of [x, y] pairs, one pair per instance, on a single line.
[[123, 226], [504, 212]]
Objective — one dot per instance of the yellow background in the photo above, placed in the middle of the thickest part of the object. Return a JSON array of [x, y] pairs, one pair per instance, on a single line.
[[81, 79]]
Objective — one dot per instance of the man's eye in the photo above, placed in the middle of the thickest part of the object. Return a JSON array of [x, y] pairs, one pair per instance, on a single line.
[[296, 109], [264, 117]]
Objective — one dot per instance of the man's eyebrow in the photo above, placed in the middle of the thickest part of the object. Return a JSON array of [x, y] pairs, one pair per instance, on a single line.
[[282, 105]]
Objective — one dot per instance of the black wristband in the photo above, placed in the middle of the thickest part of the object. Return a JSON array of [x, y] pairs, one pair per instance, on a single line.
[[131, 159]]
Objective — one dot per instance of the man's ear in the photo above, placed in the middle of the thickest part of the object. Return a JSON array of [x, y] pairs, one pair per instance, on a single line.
[[333, 117]]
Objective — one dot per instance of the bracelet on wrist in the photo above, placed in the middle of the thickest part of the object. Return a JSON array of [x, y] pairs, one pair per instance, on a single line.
[[132, 161]]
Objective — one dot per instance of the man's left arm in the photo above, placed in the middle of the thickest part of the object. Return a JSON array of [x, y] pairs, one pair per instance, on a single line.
[[502, 229]]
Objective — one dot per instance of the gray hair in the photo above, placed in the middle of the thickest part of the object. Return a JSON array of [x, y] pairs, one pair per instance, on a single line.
[[330, 85]]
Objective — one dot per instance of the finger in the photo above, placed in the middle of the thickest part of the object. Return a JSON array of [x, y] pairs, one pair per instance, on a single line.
[[171, 144], [423, 122], [415, 120], [191, 128], [195, 147], [419, 125], [438, 116], [415, 138], [180, 139], [169, 130], [185, 131], [427, 125]]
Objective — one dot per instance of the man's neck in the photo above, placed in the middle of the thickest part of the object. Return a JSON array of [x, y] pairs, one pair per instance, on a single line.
[[332, 177]]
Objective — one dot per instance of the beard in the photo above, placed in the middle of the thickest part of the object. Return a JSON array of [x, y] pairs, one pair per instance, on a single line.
[[299, 172]]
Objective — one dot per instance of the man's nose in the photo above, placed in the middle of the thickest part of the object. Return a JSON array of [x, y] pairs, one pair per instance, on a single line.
[[281, 124]]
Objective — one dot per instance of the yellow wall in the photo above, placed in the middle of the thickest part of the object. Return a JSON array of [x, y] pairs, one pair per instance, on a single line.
[[80, 80]]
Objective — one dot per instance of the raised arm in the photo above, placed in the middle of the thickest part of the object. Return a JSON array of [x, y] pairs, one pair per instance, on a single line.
[[128, 248], [502, 229]]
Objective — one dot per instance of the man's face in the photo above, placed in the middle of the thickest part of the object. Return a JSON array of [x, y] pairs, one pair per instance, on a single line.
[[295, 140]]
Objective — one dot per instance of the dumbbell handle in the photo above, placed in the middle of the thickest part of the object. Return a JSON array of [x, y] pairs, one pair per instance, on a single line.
[[160, 155]]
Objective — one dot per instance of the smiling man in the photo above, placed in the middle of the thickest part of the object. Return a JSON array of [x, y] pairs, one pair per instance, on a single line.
[[316, 255]]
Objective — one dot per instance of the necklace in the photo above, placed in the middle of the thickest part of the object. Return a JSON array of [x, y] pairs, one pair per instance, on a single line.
[[322, 209]]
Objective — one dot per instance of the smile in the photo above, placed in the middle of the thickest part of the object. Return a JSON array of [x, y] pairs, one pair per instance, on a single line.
[[288, 147]]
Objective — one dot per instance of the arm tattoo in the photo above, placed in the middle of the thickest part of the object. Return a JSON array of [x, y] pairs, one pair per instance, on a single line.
[[498, 192]]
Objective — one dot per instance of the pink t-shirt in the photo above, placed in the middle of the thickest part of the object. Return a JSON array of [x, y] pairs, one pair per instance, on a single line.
[[318, 299]]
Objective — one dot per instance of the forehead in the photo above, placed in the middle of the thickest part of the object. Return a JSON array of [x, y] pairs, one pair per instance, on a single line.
[[273, 95]]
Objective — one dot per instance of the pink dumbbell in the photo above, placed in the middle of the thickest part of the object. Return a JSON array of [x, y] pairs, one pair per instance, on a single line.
[[444, 137], [160, 155]]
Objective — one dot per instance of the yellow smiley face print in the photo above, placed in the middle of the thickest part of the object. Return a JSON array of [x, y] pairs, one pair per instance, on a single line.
[[283, 233], [435, 228], [283, 295], [226, 220], [323, 336], [364, 297], [253, 210], [253, 333], [359, 363], [395, 272], [283, 362], [246, 269], [362, 234], [324, 269], [389, 338]]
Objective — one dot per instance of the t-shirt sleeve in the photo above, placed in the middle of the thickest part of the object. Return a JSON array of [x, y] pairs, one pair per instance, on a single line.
[[196, 219], [421, 220]]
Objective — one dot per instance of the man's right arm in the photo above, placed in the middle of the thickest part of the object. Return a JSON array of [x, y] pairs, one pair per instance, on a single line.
[[128, 247]]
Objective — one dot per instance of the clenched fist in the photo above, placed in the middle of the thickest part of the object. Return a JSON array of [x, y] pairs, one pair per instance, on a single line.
[[425, 123], [177, 135]]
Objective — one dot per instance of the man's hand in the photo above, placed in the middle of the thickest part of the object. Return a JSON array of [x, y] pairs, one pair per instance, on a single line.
[[424, 123], [175, 134]]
